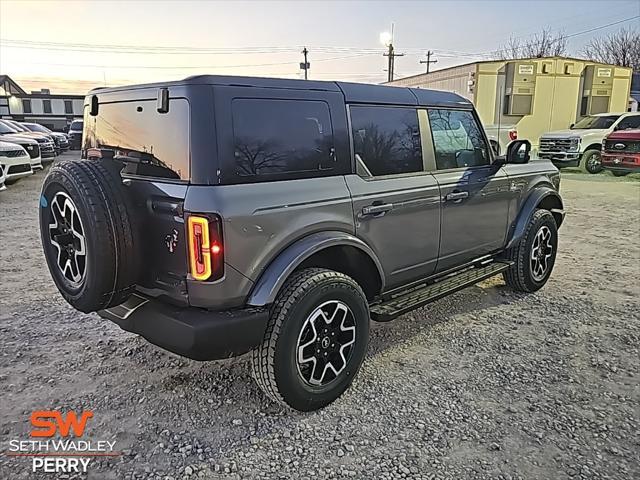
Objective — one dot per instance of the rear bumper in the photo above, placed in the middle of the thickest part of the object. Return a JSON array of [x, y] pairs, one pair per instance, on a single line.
[[191, 332]]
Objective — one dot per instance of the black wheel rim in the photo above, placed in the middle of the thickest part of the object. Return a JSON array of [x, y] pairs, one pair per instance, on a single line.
[[67, 236], [541, 253], [325, 343]]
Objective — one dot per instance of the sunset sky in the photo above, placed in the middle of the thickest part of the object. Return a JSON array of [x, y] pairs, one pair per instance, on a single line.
[[72, 46]]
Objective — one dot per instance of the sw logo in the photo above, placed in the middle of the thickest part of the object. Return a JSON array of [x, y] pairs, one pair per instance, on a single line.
[[65, 454], [47, 428]]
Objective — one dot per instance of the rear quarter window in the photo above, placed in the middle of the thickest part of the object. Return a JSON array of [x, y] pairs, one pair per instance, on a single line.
[[277, 139], [156, 143]]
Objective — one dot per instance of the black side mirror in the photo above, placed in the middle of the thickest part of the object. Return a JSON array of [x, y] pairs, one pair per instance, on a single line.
[[518, 151]]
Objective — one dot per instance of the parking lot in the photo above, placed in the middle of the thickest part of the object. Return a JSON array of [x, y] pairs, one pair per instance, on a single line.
[[486, 383]]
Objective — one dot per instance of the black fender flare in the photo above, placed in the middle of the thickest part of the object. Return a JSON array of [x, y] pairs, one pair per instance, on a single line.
[[535, 198], [272, 279]]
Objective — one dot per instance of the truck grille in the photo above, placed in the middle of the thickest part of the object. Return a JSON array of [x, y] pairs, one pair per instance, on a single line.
[[32, 150], [558, 145], [12, 153], [629, 147]]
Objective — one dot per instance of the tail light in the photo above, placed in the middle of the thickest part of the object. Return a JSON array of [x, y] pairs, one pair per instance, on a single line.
[[513, 135], [206, 259]]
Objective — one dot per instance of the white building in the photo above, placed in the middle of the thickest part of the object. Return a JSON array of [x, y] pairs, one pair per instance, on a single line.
[[53, 111]]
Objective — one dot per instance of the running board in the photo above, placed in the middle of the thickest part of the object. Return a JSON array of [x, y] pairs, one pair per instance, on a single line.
[[403, 303]]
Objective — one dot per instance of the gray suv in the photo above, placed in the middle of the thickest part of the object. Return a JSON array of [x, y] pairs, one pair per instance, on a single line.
[[217, 215]]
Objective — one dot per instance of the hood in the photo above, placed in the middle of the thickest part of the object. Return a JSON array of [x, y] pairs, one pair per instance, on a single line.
[[7, 146], [563, 133], [18, 138], [625, 135]]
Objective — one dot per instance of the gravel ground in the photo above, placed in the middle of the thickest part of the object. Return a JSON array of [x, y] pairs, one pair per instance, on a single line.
[[484, 384]]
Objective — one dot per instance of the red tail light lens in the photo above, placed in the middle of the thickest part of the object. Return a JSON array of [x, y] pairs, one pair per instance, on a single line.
[[206, 259], [513, 135]]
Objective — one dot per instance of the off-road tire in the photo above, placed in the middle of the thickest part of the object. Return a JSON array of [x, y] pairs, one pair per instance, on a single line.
[[591, 161], [274, 361], [519, 276], [112, 258]]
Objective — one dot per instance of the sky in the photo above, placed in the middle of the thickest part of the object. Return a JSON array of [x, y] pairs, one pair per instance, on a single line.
[[73, 46]]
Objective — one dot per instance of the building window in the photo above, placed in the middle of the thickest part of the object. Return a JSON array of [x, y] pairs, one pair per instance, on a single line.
[[46, 105], [26, 105], [68, 106]]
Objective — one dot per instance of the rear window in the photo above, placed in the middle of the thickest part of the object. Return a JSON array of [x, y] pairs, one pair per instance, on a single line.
[[156, 144], [76, 125], [281, 138]]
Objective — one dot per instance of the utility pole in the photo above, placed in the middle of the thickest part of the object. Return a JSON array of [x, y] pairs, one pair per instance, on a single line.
[[390, 53], [305, 65], [428, 61]]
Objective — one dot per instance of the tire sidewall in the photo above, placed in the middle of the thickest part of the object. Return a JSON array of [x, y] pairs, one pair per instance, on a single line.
[[547, 220], [55, 182], [299, 394]]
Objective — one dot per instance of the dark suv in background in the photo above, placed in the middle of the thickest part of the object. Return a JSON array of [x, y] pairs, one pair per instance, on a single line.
[[220, 215]]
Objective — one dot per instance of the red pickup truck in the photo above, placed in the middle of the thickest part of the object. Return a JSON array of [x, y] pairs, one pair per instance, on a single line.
[[621, 152]]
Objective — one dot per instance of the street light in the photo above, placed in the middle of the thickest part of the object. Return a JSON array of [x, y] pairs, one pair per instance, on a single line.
[[386, 38]]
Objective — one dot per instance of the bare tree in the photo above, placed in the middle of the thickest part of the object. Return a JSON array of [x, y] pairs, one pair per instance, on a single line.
[[543, 44], [620, 48]]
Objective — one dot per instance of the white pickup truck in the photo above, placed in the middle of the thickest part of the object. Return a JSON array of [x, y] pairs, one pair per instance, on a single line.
[[581, 144]]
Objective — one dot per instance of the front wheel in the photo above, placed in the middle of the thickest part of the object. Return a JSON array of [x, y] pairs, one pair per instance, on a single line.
[[534, 255], [592, 161], [315, 341]]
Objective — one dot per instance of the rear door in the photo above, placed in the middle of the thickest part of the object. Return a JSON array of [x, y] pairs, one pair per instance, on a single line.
[[395, 201], [155, 151], [474, 192]]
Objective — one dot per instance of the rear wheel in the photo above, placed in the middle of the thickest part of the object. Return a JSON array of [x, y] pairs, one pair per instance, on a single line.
[[87, 235], [534, 255], [592, 161], [315, 341]]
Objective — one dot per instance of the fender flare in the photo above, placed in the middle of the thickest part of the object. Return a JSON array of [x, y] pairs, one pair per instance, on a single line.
[[272, 279], [528, 209]]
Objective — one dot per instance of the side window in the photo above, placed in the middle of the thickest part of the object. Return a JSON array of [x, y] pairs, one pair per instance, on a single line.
[[387, 139], [629, 123], [281, 137], [457, 139]]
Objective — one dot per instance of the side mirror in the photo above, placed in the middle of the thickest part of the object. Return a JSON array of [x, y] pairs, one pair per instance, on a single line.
[[518, 152]]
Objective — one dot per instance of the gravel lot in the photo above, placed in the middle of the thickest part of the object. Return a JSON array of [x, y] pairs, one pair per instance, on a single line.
[[484, 384]]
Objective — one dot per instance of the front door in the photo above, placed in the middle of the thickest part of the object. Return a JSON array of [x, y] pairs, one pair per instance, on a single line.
[[396, 203], [474, 192]]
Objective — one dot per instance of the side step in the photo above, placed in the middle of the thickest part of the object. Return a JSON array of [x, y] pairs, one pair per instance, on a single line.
[[405, 302]]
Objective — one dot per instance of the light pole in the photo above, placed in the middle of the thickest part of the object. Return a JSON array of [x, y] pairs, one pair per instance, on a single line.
[[386, 39]]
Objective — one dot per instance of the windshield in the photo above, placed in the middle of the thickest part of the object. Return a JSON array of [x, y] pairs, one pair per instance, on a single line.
[[4, 128], [34, 127], [18, 127], [596, 122], [76, 125]]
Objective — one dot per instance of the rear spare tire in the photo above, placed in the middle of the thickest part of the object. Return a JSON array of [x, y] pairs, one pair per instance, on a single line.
[[88, 236]]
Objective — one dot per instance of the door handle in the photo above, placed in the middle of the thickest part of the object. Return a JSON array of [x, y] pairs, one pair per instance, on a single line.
[[373, 210], [455, 196]]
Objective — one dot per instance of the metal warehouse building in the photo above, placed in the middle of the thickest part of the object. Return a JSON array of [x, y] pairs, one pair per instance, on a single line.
[[536, 95], [52, 111]]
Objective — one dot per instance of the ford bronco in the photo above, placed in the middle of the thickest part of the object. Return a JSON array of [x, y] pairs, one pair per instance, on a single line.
[[219, 215]]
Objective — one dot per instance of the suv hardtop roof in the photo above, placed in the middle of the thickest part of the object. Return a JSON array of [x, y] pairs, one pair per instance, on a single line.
[[353, 92]]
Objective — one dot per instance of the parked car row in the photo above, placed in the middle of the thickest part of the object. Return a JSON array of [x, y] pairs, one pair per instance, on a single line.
[[589, 143], [24, 147]]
